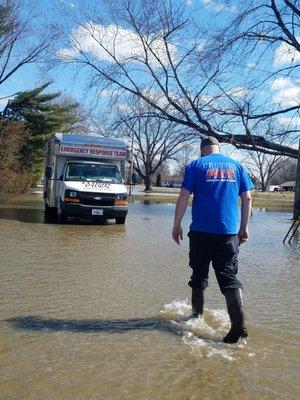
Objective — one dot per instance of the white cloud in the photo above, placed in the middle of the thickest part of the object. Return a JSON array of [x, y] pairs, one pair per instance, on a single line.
[[67, 54], [239, 91], [3, 101], [155, 96], [291, 122], [206, 98], [218, 6], [98, 41], [105, 93], [286, 92], [189, 2], [279, 83], [286, 54], [200, 45], [122, 107]]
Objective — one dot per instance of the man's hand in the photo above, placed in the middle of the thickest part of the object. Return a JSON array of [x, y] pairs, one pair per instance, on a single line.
[[181, 205], [177, 233], [245, 215], [243, 236]]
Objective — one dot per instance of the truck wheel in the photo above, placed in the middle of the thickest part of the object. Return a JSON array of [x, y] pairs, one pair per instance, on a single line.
[[120, 220], [50, 214], [61, 216]]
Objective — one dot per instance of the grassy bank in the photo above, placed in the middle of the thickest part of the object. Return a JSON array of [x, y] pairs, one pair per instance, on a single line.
[[270, 200], [274, 200]]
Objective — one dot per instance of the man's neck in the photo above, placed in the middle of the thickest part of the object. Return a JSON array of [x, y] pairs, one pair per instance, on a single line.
[[211, 152], [215, 151], [207, 150]]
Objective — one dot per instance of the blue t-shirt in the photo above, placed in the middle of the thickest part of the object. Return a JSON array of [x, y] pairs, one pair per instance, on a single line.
[[216, 182]]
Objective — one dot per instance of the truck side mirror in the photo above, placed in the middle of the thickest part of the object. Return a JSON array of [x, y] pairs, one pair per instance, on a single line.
[[48, 172]]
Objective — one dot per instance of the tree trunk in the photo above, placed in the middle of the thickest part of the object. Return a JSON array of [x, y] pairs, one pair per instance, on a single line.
[[263, 186], [158, 180], [297, 187], [147, 181]]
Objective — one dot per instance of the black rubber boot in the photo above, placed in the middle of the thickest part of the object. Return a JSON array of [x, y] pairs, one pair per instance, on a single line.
[[197, 301], [236, 313]]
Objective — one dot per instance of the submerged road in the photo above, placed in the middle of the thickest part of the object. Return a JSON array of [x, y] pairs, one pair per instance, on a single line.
[[101, 311]]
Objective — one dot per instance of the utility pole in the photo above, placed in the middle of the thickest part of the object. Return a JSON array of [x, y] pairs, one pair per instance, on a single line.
[[297, 186], [131, 166]]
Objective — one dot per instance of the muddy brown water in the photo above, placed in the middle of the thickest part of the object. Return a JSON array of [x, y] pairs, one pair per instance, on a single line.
[[100, 311]]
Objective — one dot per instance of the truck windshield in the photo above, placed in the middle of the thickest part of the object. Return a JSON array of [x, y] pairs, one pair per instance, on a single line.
[[93, 172]]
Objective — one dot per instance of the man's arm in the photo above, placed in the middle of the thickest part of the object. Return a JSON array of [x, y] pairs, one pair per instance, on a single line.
[[181, 205], [245, 215]]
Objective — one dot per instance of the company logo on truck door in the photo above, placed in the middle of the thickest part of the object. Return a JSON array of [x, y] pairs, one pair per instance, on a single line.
[[92, 151]]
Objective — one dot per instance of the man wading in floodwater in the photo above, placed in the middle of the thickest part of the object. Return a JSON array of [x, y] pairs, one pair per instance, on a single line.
[[217, 182]]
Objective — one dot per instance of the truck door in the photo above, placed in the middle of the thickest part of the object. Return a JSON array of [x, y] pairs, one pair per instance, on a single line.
[[60, 187]]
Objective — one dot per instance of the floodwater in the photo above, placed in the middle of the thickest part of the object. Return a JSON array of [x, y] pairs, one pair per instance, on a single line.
[[99, 312]]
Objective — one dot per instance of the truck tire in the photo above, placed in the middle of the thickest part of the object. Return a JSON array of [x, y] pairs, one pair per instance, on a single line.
[[120, 220], [61, 216], [50, 215]]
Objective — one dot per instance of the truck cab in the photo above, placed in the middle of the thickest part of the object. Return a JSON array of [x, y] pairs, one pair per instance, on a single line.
[[85, 178]]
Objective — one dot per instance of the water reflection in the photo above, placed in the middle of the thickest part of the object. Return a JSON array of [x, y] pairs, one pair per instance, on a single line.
[[28, 215]]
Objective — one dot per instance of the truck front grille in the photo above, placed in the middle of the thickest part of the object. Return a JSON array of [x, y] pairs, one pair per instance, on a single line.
[[97, 199]]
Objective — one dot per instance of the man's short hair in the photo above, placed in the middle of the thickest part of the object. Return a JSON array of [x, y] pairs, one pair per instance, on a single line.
[[209, 141]]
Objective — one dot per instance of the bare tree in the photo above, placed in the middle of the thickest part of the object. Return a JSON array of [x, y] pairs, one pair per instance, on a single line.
[[264, 167], [20, 43], [163, 171], [286, 173], [267, 34], [150, 50], [188, 76], [187, 153], [155, 140]]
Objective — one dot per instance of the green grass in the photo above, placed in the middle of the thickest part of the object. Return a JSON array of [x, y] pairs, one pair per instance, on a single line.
[[273, 200], [270, 200]]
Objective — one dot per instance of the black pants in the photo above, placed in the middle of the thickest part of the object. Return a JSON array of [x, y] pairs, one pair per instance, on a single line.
[[222, 251]]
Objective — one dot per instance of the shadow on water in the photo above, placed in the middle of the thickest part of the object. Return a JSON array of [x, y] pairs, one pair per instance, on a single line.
[[37, 216], [35, 323], [112, 326]]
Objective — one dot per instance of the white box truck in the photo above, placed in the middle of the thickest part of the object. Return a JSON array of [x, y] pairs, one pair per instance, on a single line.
[[84, 178]]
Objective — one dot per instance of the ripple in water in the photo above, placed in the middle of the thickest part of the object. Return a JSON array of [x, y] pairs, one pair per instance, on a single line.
[[203, 335]]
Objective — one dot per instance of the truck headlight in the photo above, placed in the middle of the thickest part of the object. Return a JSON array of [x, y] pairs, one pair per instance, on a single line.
[[122, 196], [71, 196], [121, 199]]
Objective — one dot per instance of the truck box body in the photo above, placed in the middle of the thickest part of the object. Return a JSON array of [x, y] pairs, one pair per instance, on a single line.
[[83, 177]]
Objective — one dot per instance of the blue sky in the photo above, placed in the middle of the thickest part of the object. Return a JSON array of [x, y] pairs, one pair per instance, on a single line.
[[281, 90], [63, 78]]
